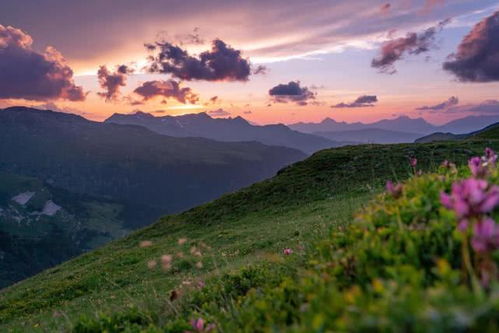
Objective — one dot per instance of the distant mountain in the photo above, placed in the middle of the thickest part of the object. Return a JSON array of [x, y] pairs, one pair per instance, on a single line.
[[327, 125], [68, 184], [225, 129], [402, 124], [370, 135], [468, 124], [489, 131]]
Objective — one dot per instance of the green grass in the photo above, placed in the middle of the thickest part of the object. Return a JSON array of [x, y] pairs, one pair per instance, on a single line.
[[249, 228]]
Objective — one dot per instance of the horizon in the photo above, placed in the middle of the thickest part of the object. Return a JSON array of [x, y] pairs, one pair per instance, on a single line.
[[252, 123], [349, 61]]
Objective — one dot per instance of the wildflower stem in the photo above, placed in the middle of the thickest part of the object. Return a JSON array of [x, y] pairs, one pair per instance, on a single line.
[[475, 285]]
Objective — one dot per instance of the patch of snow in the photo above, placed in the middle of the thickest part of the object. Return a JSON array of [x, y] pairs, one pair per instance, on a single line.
[[51, 208], [23, 198]]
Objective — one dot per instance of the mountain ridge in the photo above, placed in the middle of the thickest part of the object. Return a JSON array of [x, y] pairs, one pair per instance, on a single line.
[[235, 129]]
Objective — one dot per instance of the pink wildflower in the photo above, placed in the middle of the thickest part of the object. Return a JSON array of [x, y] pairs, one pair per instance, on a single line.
[[490, 156], [485, 236], [287, 251], [477, 168], [471, 197], [199, 326], [394, 190], [166, 261], [480, 167], [145, 243], [413, 162]]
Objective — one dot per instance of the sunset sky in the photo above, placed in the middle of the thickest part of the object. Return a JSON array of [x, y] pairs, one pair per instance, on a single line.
[[268, 61]]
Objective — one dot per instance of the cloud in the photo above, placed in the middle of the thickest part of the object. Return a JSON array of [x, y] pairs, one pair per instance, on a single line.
[[221, 63], [260, 69], [247, 112], [27, 74], [412, 44], [360, 102], [219, 113], [489, 107], [166, 89], [112, 82], [291, 92], [430, 4], [452, 101], [477, 57]]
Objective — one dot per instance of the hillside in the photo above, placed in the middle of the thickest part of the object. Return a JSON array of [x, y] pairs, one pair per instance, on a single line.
[[487, 132], [79, 184], [130, 163], [42, 226], [113, 288], [224, 129]]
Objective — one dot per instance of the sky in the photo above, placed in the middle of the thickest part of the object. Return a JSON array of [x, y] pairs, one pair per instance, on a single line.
[[272, 61]]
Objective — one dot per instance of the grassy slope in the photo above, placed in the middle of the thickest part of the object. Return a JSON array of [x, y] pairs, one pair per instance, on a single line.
[[253, 225]]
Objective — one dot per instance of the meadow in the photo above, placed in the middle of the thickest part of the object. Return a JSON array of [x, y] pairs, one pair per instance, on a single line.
[[320, 247]]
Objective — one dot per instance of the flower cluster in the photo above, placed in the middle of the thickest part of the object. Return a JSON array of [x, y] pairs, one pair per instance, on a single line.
[[472, 200], [481, 166]]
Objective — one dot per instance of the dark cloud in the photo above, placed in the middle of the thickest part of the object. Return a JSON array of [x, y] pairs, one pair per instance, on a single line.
[[28, 74], [452, 101], [214, 99], [360, 102], [221, 63], [111, 82], [291, 92], [260, 69], [412, 44], [219, 113], [166, 89], [477, 57]]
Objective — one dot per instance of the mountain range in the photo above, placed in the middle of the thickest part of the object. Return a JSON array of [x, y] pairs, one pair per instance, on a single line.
[[225, 129], [401, 129], [80, 183]]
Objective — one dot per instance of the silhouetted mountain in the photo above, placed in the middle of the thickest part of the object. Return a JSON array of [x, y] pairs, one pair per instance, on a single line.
[[224, 129], [370, 135], [327, 125], [68, 184]]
